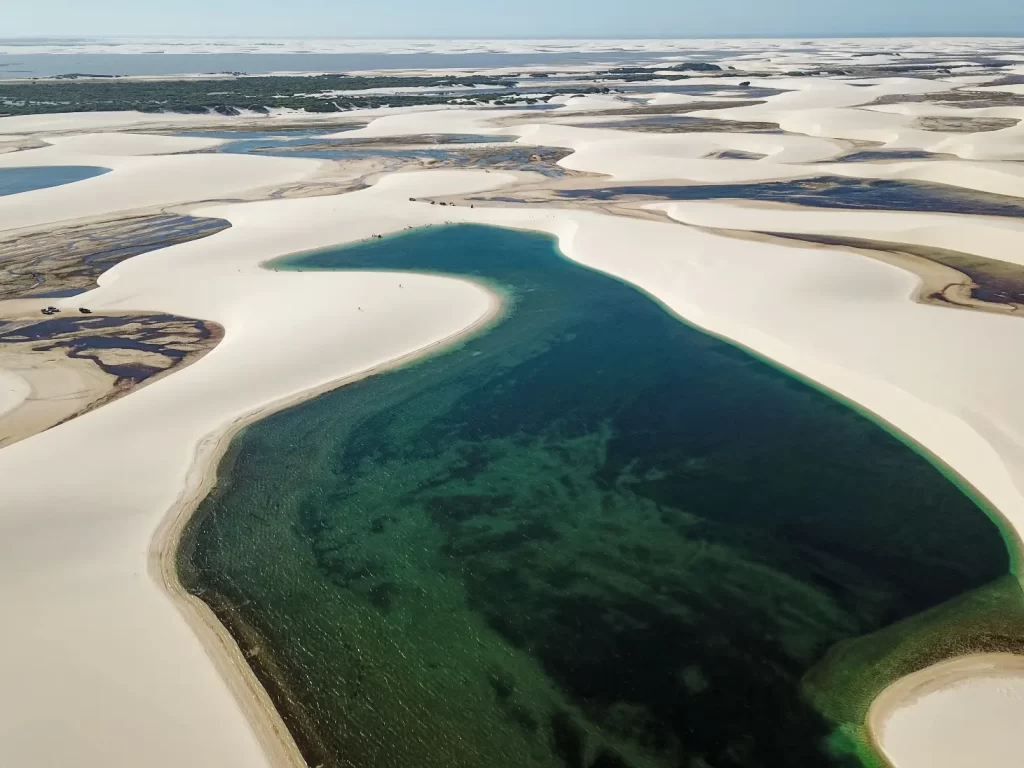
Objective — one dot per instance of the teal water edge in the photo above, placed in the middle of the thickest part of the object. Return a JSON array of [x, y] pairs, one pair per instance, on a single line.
[[15, 180], [590, 536]]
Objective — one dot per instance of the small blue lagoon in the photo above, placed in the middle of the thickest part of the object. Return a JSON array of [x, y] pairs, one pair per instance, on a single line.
[[26, 179]]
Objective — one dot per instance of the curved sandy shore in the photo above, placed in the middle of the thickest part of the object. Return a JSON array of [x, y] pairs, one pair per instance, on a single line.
[[252, 697], [77, 523], [144, 174], [923, 718]]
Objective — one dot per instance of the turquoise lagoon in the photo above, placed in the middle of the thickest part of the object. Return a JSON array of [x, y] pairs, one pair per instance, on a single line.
[[590, 536]]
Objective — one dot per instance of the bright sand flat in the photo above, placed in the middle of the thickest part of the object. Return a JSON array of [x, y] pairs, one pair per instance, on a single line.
[[40, 389], [144, 174], [922, 720], [994, 237], [13, 391], [81, 543], [103, 656]]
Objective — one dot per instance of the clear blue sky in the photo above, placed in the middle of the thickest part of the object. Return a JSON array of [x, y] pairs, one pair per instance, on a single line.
[[509, 18]]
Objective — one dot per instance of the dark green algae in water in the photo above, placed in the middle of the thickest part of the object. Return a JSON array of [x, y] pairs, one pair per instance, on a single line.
[[591, 536]]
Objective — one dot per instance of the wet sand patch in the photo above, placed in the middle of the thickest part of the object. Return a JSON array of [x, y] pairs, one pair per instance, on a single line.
[[948, 278], [892, 155], [683, 124], [517, 157], [676, 109], [76, 363], [965, 124], [737, 154], [999, 285], [66, 260], [965, 99]]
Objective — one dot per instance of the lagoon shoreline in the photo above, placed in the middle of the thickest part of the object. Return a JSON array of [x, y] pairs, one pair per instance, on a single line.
[[251, 694], [993, 676]]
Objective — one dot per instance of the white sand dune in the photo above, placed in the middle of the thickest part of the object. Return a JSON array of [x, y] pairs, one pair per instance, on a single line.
[[997, 178], [88, 121], [820, 114], [103, 655], [98, 122], [993, 237], [923, 721], [143, 175], [43, 389], [805, 95], [1011, 88], [625, 156], [81, 544], [130, 144], [894, 128], [13, 391], [837, 110], [106, 660], [411, 122]]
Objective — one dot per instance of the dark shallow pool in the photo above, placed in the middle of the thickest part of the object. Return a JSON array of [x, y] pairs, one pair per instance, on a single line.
[[883, 155], [315, 144], [830, 192], [589, 536], [26, 179], [684, 124], [451, 150]]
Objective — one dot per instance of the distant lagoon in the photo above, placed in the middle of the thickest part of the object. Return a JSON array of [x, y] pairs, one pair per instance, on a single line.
[[51, 64], [15, 180]]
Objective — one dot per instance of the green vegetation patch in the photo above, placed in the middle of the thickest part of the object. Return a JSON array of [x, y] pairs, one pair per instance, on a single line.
[[310, 93]]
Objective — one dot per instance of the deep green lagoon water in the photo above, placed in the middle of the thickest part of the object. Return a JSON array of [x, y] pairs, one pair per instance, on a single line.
[[591, 536]]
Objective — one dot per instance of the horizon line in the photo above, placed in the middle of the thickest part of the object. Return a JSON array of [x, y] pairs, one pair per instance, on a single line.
[[779, 36]]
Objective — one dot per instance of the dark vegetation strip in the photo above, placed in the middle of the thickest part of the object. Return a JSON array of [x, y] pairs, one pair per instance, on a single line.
[[251, 93]]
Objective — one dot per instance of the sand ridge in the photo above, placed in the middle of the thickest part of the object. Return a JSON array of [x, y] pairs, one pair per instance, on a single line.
[[71, 550]]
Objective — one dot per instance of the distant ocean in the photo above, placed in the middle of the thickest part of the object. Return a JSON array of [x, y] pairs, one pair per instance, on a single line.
[[50, 64]]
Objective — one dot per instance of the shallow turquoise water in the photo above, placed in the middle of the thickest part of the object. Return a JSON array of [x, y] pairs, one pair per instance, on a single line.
[[26, 179], [591, 536]]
